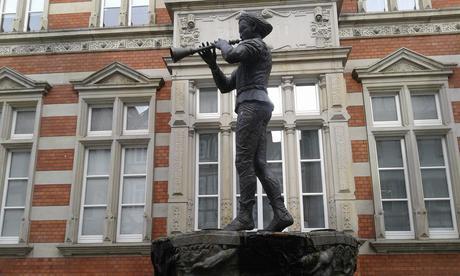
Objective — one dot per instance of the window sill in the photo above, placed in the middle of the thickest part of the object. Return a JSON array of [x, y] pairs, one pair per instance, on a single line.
[[105, 249], [392, 16], [411, 246], [17, 250]]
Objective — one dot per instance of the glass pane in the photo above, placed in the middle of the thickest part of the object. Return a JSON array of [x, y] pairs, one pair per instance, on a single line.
[[140, 2], [274, 145], [435, 183], [112, 3], [275, 96], [267, 211], [34, 24], [375, 5], [10, 6], [134, 190], [111, 17], [424, 107], [16, 194], [140, 15], [309, 144], [132, 220], [208, 179], [396, 216], [384, 109], [208, 100], [11, 222], [96, 191], [389, 154], [93, 221], [439, 214], [99, 162], [404, 5], [137, 117], [24, 122], [207, 213], [36, 5], [430, 152], [19, 164], [208, 147], [7, 23], [392, 184], [311, 177], [306, 98], [135, 161], [277, 171], [313, 212], [101, 118]]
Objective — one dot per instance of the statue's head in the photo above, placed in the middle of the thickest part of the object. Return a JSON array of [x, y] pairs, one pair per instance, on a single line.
[[252, 26]]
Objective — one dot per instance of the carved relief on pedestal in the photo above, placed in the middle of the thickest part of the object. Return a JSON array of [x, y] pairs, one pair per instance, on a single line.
[[189, 218]]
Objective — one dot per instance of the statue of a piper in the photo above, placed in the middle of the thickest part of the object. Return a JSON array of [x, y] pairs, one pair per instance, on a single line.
[[254, 110]]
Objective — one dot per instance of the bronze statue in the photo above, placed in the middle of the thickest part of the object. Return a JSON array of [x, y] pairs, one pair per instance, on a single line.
[[254, 110]]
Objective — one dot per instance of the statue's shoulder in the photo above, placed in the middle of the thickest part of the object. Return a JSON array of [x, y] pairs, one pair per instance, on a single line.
[[255, 43]]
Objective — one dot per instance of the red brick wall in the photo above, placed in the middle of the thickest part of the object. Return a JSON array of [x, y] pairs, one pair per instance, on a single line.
[[68, 21], [360, 151], [366, 229], [456, 111], [363, 188], [106, 265], [165, 92], [409, 265], [159, 228], [47, 231], [352, 84], [349, 6], [161, 156], [454, 80], [163, 16], [357, 117], [58, 126], [160, 191], [55, 160], [440, 4], [162, 122], [51, 195], [426, 45], [61, 94]]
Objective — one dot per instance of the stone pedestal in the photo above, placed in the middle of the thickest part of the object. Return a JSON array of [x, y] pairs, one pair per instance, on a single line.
[[214, 252]]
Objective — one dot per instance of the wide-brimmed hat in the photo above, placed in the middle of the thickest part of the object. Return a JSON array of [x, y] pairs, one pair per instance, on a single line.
[[263, 27]]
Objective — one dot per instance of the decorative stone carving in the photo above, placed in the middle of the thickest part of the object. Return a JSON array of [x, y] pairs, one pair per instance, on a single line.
[[189, 219], [294, 208], [226, 211], [178, 154], [346, 215], [117, 78], [403, 66], [7, 83], [332, 213], [189, 34], [399, 29], [175, 220], [321, 28]]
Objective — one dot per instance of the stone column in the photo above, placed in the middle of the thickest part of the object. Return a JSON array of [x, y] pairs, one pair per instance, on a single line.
[[226, 161]]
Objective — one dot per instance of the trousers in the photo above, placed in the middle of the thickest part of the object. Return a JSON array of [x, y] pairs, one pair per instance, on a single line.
[[251, 153]]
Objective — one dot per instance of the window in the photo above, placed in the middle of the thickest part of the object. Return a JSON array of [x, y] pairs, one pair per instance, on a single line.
[[100, 120], [139, 12], [23, 124], [207, 190], [306, 99], [34, 15], [426, 108], [376, 5], [115, 13], [9, 8], [110, 13], [31, 18], [407, 5], [208, 102], [313, 199], [274, 93], [385, 110], [136, 118], [390, 5]]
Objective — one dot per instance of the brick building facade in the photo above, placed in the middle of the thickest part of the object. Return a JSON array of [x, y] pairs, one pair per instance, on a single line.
[[105, 144]]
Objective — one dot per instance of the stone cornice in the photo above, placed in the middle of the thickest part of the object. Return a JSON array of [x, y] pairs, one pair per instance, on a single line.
[[15, 250], [105, 249], [408, 246]]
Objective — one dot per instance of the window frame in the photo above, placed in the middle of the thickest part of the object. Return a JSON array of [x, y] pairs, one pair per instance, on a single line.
[[300, 112], [396, 123], [15, 136], [96, 133], [101, 18], [130, 14], [427, 122], [27, 15], [392, 6], [125, 119], [200, 115]]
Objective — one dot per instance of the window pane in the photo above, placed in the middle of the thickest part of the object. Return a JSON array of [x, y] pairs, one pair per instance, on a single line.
[[439, 214], [137, 117], [34, 23], [36, 5], [93, 221], [19, 164], [111, 17], [375, 5], [313, 212], [208, 179], [435, 183], [392, 184], [132, 220], [140, 2], [101, 118], [207, 213], [10, 6], [430, 152], [135, 161], [112, 3], [208, 147], [99, 162], [267, 211], [16, 194], [134, 190], [396, 216], [208, 100], [11, 222], [384, 109], [277, 171], [404, 5], [309, 144], [7, 22], [96, 191], [424, 107], [274, 145], [24, 122], [311, 177], [389, 154], [140, 15], [275, 96], [306, 98]]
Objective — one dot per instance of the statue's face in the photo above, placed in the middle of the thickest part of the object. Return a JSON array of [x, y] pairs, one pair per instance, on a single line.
[[247, 30]]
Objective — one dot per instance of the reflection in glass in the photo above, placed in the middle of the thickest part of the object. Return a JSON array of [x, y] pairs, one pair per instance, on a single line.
[[101, 119], [313, 212], [208, 100], [207, 213], [439, 214], [137, 117], [25, 122]]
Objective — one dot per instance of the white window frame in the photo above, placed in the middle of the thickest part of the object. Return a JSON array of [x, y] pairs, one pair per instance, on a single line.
[[125, 119], [278, 110], [27, 14], [2, 5], [197, 178], [130, 14], [200, 115], [298, 110], [10, 239], [101, 23], [93, 133], [399, 234], [385, 9], [440, 233], [323, 180], [396, 123], [130, 237], [417, 5], [427, 122], [13, 124]]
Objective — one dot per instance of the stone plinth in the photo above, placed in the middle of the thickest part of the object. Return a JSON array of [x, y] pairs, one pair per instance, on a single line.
[[214, 252]]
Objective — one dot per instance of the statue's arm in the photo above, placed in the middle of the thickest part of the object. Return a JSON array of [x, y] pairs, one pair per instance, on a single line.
[[242, 52], [224, 84]]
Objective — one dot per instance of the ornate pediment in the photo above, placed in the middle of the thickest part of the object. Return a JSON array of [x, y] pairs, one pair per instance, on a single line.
[[404, 66], [12, 82]]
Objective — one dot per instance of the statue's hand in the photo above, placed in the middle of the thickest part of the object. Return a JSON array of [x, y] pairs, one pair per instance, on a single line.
[[221, 43], [209, 56]]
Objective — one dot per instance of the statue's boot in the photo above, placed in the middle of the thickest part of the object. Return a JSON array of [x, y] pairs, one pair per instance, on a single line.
[[243, 220], [281, 216]]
